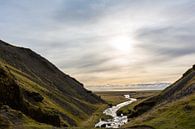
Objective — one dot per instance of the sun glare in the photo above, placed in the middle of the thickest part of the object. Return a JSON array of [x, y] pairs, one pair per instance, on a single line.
[[122, 44]]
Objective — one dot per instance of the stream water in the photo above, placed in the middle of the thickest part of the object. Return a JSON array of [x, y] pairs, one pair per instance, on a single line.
[[116, 121]]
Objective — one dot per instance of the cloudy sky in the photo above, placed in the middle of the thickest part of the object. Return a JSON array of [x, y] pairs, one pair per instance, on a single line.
[[106, 41]]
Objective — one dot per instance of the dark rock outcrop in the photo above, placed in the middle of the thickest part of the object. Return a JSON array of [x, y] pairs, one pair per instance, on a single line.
[[10, 93], [33, 96]]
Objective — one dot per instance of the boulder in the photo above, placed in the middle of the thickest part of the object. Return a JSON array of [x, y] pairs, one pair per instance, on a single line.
[[34, 96], [10, 93]]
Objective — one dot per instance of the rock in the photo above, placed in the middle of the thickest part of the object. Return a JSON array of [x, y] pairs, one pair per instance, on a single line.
[[10, 93], [103, 126], [187, 108], [88, 91], [110, 105], [34, 95], [193, 67]]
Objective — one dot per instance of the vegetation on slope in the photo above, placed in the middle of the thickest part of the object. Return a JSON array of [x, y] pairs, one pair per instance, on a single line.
[[140, 96], [44, 92], [178, 114], [172, 108]]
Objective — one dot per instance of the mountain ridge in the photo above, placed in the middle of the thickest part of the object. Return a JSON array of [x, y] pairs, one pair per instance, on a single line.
[[56, 91], [175, 102]]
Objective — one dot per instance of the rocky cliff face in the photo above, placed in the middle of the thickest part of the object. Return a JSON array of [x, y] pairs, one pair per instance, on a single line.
[[32, 85]]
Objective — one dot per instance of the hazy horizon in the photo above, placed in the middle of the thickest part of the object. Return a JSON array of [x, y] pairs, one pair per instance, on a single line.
[[106, 42], [128, 87]]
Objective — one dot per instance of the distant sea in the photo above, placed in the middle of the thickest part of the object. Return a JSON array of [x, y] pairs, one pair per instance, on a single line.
[[130, 87]]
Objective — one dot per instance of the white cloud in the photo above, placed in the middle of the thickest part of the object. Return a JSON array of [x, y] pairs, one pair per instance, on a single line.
[[105, 42]]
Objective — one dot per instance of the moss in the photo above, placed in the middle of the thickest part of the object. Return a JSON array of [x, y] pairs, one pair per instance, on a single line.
[[4, 123], [53, 103], [41, 115], [95, 117], [179, 114]]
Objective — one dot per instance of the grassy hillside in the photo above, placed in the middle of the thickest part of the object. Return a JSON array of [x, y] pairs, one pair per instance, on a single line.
[[140, 96], [46, 94], [178, 114], [173, 108]]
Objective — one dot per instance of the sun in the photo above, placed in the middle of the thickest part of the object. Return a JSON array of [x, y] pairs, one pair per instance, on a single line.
[[122, 44]]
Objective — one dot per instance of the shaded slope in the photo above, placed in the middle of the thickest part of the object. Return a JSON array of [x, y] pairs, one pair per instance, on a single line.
[[179, 114], [183, 87], [45, 88], [174, 107], [12, 95], [39, 68]]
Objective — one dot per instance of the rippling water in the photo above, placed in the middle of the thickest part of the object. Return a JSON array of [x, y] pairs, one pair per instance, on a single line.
[[116, 121]]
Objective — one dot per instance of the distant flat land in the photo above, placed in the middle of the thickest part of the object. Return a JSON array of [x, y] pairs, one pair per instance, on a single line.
[[116, 97]]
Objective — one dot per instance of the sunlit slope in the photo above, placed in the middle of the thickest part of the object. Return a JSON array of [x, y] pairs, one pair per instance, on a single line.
[[173, 108], [46, 89]]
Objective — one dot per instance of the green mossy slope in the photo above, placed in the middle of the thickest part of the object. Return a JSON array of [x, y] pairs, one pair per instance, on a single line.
[[45, 93], [173, 108]]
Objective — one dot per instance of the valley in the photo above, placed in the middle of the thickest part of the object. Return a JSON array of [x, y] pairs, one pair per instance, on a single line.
[[36, 94], [89, 64], [119, 103]]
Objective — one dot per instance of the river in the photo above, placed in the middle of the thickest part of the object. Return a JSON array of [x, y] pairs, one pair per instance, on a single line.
[[116, 121]]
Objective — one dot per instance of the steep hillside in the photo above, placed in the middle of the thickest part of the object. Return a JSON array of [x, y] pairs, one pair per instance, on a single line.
[[173, 108], [40, 91]]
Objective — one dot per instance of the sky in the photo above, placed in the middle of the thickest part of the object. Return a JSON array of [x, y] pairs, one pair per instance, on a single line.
[[101, 42]]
